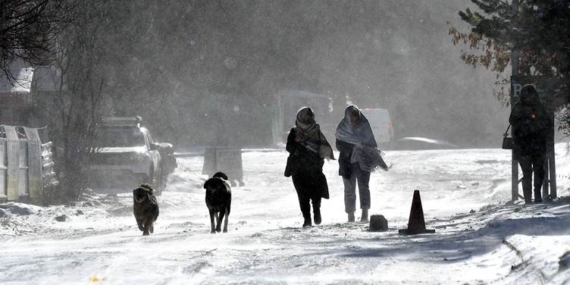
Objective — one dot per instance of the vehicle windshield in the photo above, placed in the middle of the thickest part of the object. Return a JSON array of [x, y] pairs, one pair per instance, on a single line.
[[119, 137]]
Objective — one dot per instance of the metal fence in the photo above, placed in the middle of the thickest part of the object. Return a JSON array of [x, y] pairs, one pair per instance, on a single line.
[[26, 164]]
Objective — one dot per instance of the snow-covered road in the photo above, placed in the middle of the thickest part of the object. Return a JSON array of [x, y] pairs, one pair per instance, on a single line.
[[479, 239]]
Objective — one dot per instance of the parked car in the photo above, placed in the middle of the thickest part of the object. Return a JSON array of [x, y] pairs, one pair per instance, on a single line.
[[421, 143], [124, 155]]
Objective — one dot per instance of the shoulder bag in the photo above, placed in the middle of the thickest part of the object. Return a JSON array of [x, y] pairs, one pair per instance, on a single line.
[[507, 140]]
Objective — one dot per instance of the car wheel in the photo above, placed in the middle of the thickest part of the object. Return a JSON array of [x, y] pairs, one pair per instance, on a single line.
[[157, 181], [163, 180], [152, 180], [161, 184]]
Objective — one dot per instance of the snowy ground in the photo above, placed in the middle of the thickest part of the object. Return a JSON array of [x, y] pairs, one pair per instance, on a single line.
[[481, 237]]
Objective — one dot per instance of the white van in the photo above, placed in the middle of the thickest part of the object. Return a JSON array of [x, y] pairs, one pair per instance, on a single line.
[[380, 123]]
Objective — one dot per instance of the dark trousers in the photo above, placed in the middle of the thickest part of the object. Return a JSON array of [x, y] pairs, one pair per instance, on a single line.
[[362, 178], [529, 164], [308, 190]]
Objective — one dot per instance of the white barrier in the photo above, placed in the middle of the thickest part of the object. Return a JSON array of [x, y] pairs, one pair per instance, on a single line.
[[26, 165]]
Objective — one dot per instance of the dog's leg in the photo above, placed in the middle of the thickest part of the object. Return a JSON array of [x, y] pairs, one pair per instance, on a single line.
[[220, 218], [140, 224], [212, 215], [146, 223], [227, 214]]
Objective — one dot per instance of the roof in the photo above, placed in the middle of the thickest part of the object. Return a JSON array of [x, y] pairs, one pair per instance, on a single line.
[[121, 121], [22, 81], [26, 79]]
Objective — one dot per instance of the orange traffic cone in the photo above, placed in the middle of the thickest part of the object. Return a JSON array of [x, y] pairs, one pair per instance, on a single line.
[[416, 224]]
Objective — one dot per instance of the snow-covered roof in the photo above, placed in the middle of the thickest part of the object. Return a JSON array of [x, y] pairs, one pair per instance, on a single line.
[[27, 79], [21, 83]]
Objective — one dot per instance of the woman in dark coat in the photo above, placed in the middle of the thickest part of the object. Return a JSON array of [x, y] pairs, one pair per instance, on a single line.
[[531, 126], [308, 147], [358, 157]]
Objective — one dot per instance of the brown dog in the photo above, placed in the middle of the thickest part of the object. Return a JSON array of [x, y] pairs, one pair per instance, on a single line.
[[145, 208], [218, 200]]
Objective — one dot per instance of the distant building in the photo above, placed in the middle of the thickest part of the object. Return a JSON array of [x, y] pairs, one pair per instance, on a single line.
[[15, 94], [289, 101], [23, 95]]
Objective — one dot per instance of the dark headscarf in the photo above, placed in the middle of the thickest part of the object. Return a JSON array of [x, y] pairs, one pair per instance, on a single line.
[[308, 134], [529, 96]]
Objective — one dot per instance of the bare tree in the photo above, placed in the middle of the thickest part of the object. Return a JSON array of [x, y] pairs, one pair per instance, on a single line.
[[28, 29], [75, 105]]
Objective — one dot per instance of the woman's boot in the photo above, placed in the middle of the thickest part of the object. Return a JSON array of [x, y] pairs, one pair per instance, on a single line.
[[364, 217], [317, 216], [351, 217]]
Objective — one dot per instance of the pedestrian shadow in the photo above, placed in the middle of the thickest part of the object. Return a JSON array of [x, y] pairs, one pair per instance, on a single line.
[[450, 244]]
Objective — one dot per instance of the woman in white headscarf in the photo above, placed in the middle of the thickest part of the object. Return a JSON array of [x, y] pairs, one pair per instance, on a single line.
[[358, 157], [308, 147]]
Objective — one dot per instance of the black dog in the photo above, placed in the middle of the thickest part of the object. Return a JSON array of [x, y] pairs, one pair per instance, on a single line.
[[145, 208], [218, 200]]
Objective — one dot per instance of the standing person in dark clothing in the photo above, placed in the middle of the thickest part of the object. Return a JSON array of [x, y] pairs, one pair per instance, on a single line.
[[308, 147], [531, 126], [358, 157]]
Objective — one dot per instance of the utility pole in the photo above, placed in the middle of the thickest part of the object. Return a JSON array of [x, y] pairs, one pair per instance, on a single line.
[[514, 74]]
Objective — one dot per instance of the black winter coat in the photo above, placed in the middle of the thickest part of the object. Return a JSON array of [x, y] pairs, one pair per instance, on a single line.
[[303, 160], [531, 127]]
